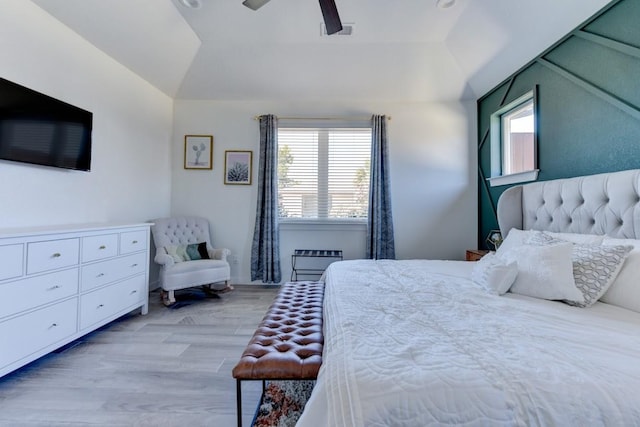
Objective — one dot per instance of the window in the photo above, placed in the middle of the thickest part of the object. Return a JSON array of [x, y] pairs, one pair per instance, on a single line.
[[514, 142], [323, 173], [517, 139]]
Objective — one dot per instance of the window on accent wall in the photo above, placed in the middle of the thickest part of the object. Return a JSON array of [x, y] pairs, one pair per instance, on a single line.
[[323, 173], [514, 142], [518, 139]]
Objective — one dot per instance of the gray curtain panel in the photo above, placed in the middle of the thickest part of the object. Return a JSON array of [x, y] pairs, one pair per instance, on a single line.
[[265, 248], [380, 241]]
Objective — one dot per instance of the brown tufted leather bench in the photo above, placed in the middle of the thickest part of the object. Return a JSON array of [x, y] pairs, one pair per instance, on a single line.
[[288, 342]]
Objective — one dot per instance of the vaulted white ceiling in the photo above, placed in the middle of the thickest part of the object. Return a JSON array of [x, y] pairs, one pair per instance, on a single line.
[[400, 50]]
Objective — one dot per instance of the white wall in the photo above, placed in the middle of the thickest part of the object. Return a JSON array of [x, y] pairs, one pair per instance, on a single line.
[[130, 178], [433, 177]]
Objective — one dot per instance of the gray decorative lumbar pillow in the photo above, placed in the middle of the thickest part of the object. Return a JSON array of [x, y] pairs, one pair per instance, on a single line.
[[595, 268]]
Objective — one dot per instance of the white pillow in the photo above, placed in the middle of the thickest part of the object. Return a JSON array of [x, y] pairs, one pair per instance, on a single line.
[[515, 238], [544, 272], [625, 289], [581, 239], [177, 252], [595, 267], [494, 274]]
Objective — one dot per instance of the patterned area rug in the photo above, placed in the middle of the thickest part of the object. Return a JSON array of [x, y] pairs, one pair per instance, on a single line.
[[188, 296], [283, 403]]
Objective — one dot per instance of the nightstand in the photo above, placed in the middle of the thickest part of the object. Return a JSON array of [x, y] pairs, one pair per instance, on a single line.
[[476, 254]]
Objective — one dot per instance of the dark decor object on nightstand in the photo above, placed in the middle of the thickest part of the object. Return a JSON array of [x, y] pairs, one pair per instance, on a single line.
[[494, 239]]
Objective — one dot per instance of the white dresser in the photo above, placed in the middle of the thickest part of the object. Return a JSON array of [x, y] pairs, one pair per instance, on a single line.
[[58, 284]]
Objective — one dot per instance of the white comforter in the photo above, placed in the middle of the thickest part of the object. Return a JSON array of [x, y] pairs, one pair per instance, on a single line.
[[416, 343]]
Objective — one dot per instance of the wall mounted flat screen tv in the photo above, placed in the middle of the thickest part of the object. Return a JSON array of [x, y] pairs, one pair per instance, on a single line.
[[38, 129]]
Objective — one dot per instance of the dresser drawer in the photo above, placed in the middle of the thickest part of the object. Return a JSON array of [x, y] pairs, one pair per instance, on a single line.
[[101, 273], [133, 241], [30, 293], [11, 261], [26, 334], [99, 247], [106, 302], [43, 256]]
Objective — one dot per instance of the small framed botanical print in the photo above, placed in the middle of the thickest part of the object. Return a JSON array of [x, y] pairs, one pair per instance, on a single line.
[[237, 167], [198, 152]]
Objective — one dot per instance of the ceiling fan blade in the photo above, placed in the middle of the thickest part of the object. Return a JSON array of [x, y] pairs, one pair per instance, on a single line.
[[331, 17], [255, 4]]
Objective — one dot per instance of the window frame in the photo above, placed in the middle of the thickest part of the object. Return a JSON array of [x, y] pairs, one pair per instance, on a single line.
[[305, 222], [498, 177]]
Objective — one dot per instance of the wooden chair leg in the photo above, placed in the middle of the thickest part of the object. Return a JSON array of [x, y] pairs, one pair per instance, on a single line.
[[168, 297], [227, 288]]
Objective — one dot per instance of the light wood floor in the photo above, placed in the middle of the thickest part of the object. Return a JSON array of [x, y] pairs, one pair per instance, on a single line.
[[168, 368]]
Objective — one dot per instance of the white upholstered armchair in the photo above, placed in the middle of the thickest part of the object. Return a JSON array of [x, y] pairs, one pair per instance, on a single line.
[[187, 258]]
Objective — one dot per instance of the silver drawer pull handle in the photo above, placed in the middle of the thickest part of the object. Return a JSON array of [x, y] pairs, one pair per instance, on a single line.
[[133, 292], [56, 255], [53, 325], [53, 288], [100, 306], [134, 242], [100, 275], [102, 247], [134, 265]]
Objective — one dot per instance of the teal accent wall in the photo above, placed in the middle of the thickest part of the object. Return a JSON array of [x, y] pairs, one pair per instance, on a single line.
[[588, 104]]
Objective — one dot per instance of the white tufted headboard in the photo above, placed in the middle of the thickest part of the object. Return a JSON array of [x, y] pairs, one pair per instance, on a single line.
[[607, 203]]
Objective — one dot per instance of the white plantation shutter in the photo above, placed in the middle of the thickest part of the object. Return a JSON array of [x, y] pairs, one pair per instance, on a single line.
[[323, 172]]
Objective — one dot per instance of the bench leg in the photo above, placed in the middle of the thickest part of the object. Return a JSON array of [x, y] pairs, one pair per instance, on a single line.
[[239, 401]]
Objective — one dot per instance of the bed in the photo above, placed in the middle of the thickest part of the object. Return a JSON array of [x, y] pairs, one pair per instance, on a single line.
[[419, 342]]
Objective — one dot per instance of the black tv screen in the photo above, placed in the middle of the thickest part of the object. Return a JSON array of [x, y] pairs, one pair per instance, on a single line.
[[38, 129]]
